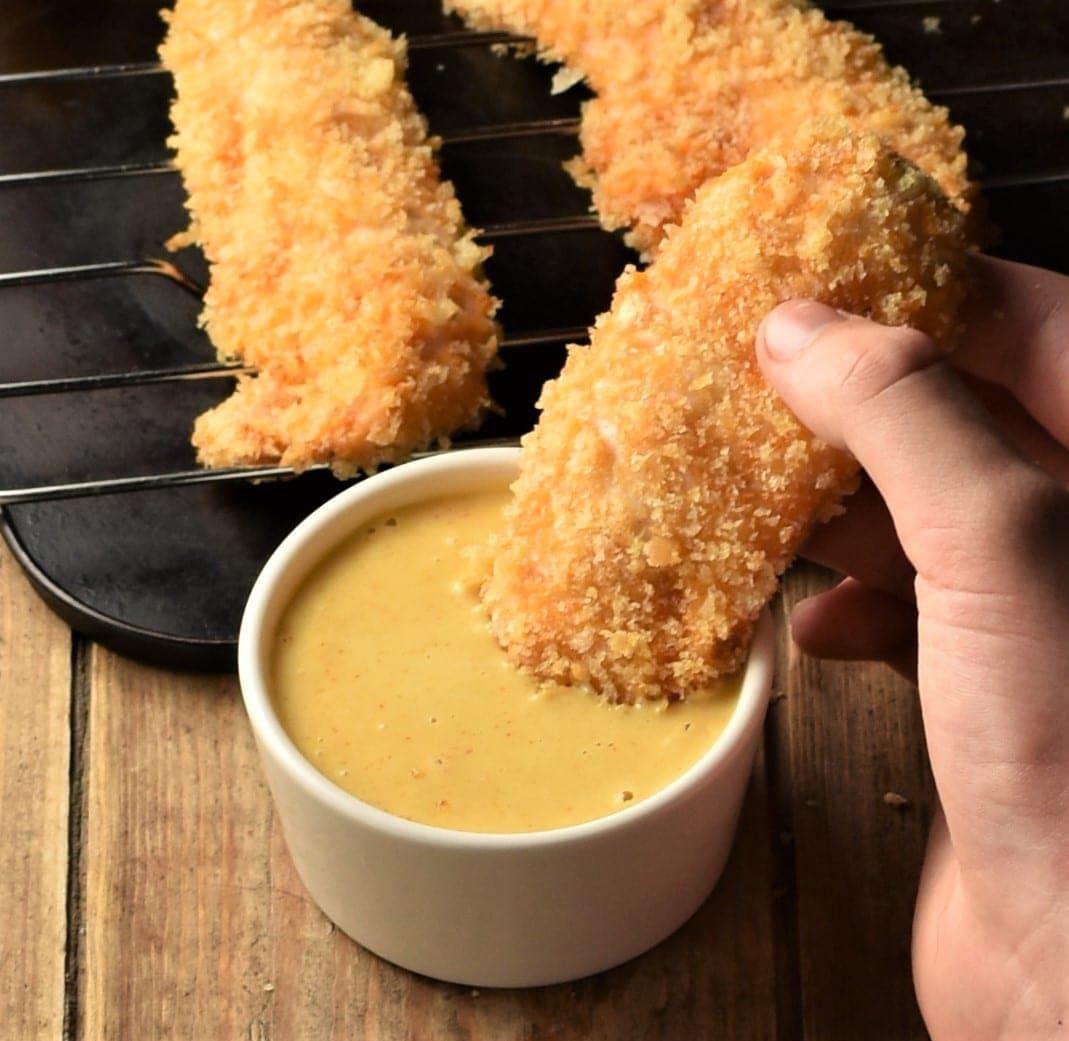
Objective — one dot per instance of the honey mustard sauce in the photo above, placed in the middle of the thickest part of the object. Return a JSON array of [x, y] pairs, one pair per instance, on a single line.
[[387, 679]]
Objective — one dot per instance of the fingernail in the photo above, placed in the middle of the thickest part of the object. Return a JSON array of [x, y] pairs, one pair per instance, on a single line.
[[791, 327]]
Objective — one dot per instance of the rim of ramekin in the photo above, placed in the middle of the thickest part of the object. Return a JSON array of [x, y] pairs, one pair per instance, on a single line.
[[328, 525]]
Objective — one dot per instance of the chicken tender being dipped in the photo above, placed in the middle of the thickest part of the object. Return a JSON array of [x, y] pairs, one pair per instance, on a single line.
[[341, 267], [687, 88], [666, 486]]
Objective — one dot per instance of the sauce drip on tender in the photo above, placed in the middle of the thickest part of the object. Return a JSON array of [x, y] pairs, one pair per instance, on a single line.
[[387, 679]]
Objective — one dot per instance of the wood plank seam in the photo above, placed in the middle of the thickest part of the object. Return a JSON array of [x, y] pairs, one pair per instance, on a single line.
[[777, 765], [77, 797]]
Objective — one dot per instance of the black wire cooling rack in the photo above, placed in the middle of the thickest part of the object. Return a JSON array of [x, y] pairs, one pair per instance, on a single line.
[[103, 369]]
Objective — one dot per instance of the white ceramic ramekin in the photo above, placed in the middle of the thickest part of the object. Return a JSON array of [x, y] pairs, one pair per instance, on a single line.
[[493, 910]]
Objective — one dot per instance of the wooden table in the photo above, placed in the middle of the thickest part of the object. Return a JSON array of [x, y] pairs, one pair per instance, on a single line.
[[147, 892]]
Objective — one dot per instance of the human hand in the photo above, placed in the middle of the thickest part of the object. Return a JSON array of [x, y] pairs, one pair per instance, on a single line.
[[956, 558]]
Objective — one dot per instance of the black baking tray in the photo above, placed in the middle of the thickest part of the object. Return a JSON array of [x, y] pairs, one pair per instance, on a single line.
[[162, 574]]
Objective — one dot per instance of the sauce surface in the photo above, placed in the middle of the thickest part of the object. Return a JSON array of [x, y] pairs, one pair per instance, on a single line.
[[387, 679]]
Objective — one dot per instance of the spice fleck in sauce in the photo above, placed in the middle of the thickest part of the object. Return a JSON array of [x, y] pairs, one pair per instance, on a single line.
[[387, 679]]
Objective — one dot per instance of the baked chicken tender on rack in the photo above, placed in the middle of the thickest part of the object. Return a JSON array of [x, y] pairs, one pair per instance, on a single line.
[[666, 486], [342, 272], [687, 88]]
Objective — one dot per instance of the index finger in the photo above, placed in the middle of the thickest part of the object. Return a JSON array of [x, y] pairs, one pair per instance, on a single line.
[[1017, 335]]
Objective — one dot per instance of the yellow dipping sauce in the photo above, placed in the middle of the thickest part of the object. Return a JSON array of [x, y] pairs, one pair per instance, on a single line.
[[387, 679]]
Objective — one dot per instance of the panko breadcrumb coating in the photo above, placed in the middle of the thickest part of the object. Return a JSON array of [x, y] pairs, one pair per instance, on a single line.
[[666, 486], [341, 268], [687, 88]]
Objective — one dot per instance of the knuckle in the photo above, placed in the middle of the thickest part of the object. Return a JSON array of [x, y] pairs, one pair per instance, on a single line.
[[1032, 514], [876, 367], [1012, 528], [1024, 519], [877, 359]]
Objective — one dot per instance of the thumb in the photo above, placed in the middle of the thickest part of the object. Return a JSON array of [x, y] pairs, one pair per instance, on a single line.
[[891, 398], [988, 535]]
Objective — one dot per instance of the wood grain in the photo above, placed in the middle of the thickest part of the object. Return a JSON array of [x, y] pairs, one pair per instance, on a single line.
[[848, 735], [35, 692], [197, 925], [189, 920], [177, 874]]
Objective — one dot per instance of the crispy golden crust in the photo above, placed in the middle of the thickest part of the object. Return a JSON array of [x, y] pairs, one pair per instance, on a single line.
[[687, 88], [666, 486], [341, 268]]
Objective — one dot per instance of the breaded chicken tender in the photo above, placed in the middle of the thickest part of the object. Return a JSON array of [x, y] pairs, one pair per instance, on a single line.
[[666, 486], [688, 88], [341, 267]]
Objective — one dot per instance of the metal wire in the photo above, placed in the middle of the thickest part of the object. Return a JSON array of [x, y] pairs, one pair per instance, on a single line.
[[180, 478], [490, 233], [218, 369]]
